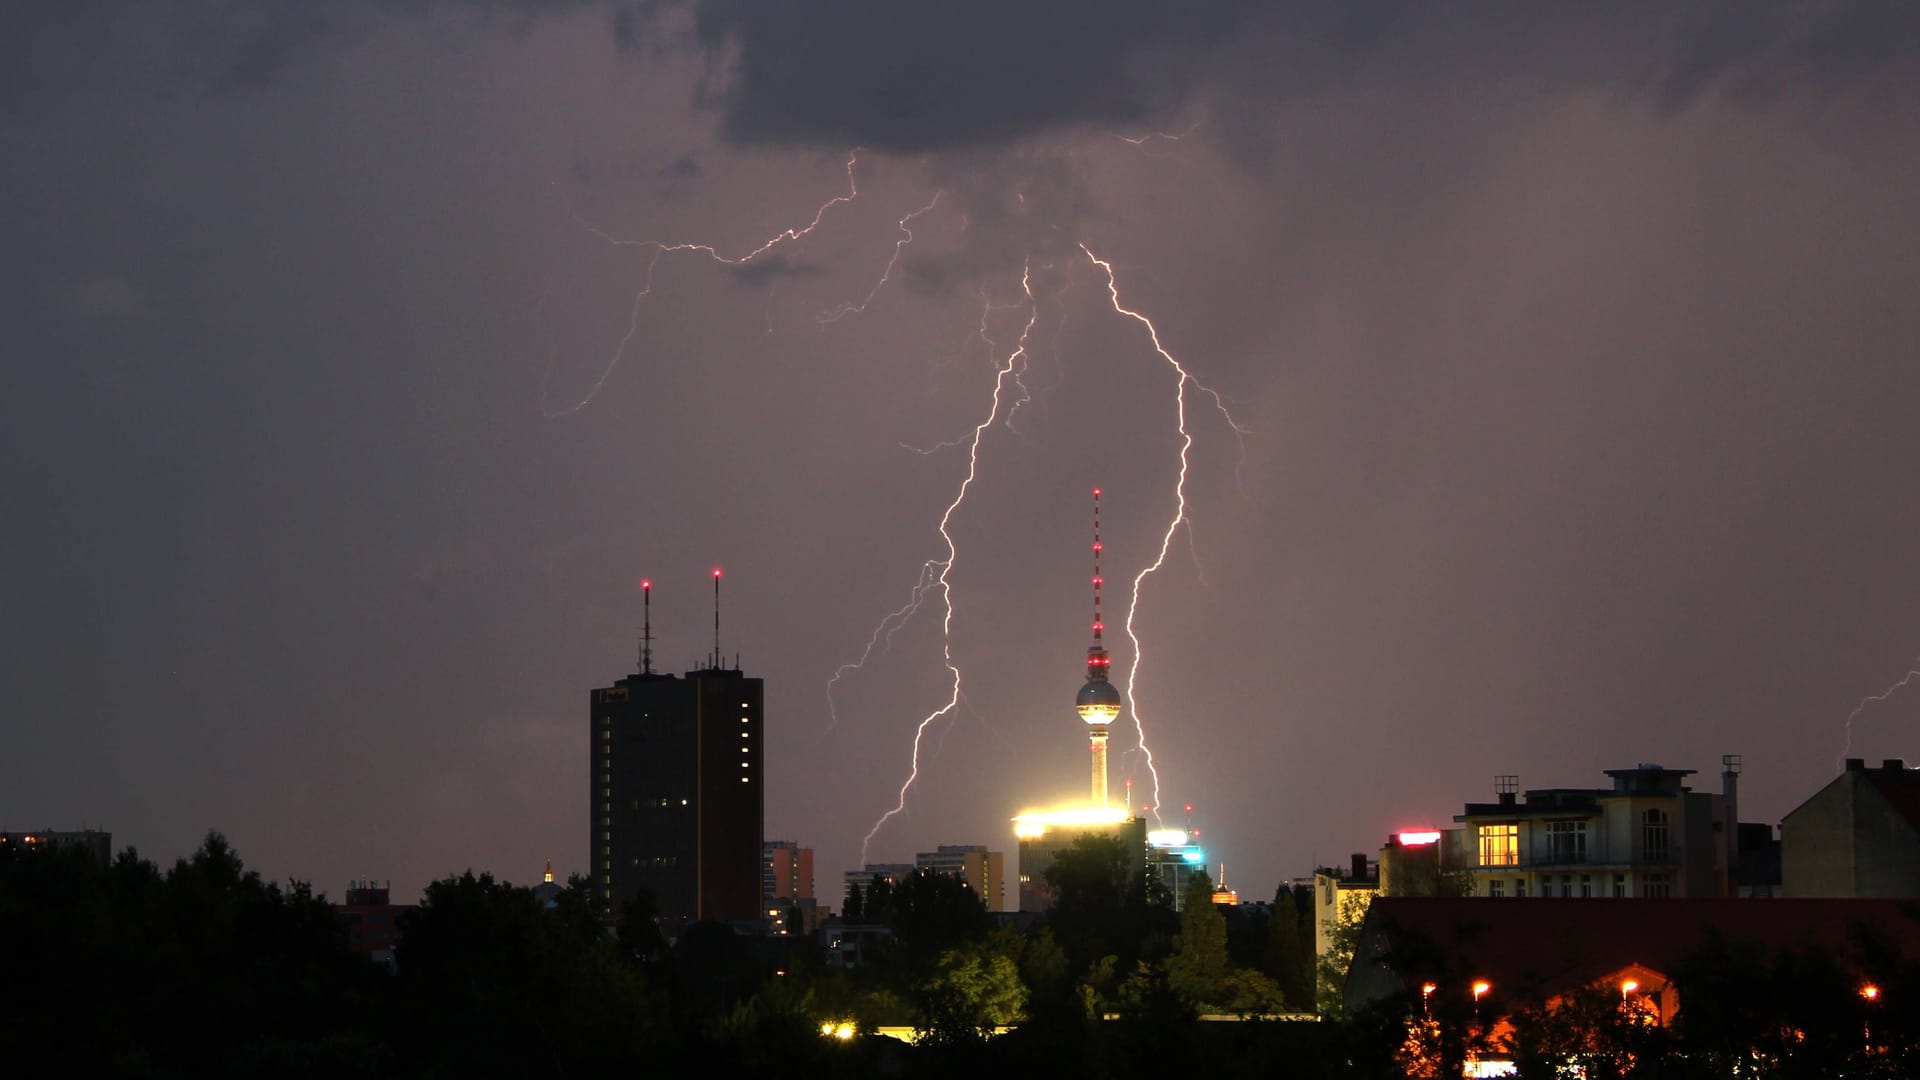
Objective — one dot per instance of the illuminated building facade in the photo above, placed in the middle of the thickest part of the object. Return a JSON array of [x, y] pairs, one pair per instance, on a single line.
[[678, 790], [984, 871], [1649, 836], [1043, 836]]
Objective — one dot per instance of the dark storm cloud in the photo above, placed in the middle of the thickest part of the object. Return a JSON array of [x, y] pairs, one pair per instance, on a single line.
[[928, 76], [947, 74], [220, 46]]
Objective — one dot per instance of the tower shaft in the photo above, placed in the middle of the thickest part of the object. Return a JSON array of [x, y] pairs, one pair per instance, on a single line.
[[1098, 741]]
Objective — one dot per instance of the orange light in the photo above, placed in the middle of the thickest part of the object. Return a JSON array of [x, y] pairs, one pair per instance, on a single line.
[[1870, 992], [1628, 987], [1427, 989], [1419, 837], [1480, 987]]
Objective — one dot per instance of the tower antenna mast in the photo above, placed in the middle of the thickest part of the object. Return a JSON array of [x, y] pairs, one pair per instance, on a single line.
[[1098, 703], [716, 618], [646, 627]]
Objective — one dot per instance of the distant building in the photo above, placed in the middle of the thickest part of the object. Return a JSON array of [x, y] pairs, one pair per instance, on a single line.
[[1175, 856], [548, 891], [94, 842], [984, 871], [677, 786], [1648, 836], [1857, 836], [1341, 897], [373, 920], [893, 873], [786, 871], [1044, 836]]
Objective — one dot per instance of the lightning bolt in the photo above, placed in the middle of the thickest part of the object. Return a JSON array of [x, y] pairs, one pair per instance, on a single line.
[[1183, 378], [827, 317], [944, 581], [663, 247], [882, 635], [1912, 674]]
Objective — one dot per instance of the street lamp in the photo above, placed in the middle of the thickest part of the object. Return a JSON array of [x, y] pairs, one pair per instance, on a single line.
[[1480, 988], [1628, 987], [1426, 993]]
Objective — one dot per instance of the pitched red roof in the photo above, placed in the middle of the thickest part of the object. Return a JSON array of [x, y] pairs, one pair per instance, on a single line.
[[1543, 946]]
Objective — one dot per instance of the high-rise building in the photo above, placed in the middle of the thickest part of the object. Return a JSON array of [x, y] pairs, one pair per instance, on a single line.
[[678, 789], [984, 871], [786, 871]]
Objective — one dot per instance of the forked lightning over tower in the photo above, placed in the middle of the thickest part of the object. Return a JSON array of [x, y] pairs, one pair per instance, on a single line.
[[1098, 701]]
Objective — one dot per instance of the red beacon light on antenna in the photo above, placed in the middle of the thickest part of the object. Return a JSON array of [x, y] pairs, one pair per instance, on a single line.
[[716, 573], [646, 583]]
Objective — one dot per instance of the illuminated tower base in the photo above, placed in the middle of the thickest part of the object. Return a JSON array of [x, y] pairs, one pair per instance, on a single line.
[[1098, 739]]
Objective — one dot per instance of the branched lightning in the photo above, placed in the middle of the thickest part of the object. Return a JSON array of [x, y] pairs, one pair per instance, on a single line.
[[850, 308], [1912, 674], [662, 247], [883, 635], [944, 581], [1183, 377]]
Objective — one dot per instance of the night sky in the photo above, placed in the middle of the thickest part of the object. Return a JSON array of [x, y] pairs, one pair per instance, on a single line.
[[1573, 345]]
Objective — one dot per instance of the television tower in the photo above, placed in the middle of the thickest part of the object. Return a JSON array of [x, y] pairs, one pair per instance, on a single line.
[[1098, 702]]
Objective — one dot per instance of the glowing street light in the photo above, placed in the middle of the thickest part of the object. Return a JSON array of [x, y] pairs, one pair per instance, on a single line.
[[1628, 987], [1480, 988], [1870, 992]]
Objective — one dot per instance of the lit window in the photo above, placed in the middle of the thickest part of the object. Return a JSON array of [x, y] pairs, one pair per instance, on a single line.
[[743, 779], [1499, 845], [743, 734], [743, 764]]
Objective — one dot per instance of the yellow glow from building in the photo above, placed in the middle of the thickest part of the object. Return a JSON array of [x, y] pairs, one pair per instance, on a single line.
[[1031, 824]]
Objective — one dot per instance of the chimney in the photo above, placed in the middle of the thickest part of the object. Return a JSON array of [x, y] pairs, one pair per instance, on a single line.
[[1359, 866], [1894, 765], [1856, 764]]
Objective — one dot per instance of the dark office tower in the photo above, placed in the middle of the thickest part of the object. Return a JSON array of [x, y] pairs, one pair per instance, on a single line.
[[677, 791]]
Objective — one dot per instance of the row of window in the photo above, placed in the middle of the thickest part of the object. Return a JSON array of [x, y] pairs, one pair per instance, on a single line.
[[1567, 841], [1652, 887]]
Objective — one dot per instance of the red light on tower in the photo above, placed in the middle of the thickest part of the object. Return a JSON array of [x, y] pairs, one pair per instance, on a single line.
[[716, 573], [646, 583]]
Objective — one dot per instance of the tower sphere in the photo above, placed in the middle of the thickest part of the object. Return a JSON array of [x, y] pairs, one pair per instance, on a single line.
[[1098, 702]]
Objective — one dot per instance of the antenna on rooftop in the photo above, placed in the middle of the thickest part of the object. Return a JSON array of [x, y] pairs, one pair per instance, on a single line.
[[646, 631], [716, 618]]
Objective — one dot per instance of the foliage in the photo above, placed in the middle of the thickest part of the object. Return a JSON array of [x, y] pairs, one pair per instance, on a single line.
[[972, 991], [1289, 954], [1330, 967]]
